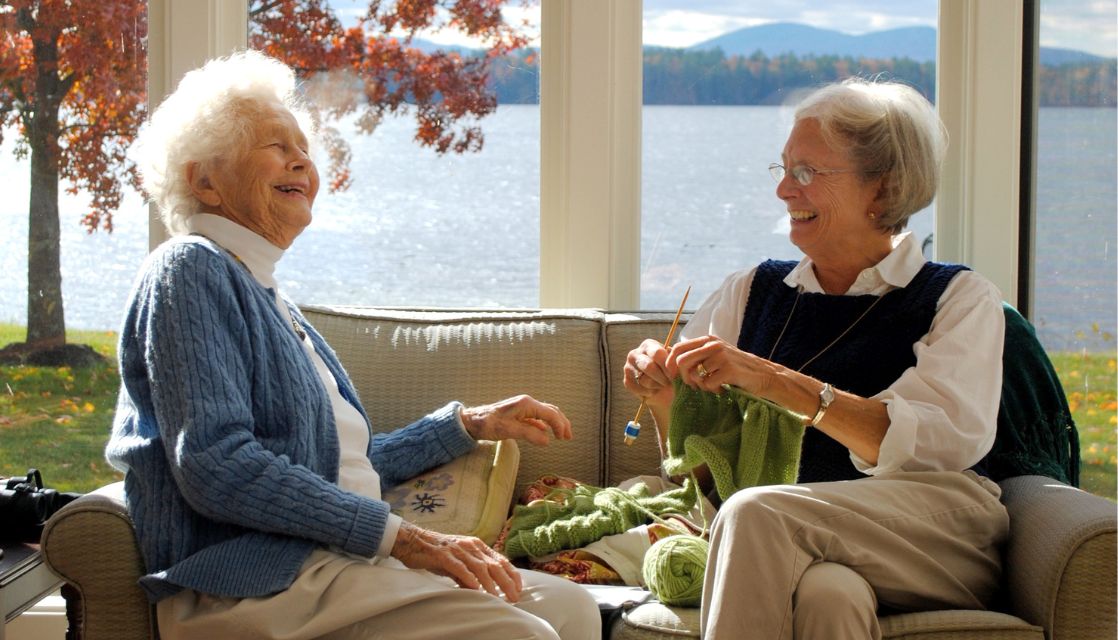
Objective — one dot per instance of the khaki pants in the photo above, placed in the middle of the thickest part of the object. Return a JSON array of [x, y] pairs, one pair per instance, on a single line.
[[338, 597], [816, 560]]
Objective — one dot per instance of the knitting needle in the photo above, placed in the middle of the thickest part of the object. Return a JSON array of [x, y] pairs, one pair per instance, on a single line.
[[633, 429]]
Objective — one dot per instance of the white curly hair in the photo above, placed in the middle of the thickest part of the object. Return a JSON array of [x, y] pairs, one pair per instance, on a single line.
[[206, 121]]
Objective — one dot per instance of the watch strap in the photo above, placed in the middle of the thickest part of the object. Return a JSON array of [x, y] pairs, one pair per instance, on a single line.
[[826, 397]]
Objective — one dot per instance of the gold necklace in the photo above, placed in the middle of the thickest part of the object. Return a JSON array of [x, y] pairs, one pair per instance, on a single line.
[[788, 321]]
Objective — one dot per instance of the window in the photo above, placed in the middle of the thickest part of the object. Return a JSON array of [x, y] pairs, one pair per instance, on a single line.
[[422, 229], [720, 85], [1074, 277], [56, 418]]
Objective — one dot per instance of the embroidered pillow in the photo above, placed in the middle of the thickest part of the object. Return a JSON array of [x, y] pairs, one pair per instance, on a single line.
[[467, 496]]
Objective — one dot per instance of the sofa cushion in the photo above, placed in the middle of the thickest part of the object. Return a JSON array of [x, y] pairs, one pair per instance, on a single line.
[[404, 362], [469, 495], [623, 333], [657, 621]]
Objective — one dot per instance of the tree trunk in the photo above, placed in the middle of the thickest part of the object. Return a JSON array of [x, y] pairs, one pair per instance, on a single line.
[[46, 323]]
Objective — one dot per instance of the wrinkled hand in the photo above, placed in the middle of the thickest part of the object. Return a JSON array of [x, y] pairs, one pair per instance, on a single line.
[[646, 373], [464, 559], [521, 417], [708, 362]]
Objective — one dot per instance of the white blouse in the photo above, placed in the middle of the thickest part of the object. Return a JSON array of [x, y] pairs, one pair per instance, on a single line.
[[942, 411]]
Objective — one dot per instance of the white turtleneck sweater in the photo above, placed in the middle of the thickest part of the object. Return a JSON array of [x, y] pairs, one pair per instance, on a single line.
[[355, 471]]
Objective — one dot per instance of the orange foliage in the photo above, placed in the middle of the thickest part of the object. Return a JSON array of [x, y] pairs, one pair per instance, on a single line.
[[383, 73], [81, 63]]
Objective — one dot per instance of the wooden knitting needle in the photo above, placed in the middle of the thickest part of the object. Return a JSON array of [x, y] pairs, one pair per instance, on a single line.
[[633, 429]]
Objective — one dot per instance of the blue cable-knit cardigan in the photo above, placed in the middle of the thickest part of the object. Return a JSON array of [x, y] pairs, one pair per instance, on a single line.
[[227, 437]]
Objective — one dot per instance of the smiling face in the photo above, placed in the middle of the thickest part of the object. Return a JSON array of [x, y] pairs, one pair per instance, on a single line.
[[269, 184], [831, 220]]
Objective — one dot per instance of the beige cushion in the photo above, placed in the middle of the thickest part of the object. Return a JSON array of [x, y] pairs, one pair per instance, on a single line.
[[625, 332], [656, 621], [659, 621], [405, 363], [467, 496], [955, 624]]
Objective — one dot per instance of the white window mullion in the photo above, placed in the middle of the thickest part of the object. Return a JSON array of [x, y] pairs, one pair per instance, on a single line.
[[978, 94], [182, 35], [590, 154]]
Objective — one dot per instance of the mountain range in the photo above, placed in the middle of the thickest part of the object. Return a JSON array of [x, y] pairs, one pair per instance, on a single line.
[[915, 43], [776, 38]]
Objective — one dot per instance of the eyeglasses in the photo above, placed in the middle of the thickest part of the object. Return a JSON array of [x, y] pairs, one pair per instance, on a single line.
[[803, 173]]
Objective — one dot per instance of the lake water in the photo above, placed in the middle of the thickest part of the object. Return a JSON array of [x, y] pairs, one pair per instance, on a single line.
[[419, 229]]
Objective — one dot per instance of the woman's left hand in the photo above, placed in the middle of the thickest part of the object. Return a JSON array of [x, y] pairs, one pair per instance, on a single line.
[[521, 417], [708, 362]]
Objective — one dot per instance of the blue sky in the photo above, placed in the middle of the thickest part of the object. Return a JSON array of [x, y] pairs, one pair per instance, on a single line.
[[1085, 25]]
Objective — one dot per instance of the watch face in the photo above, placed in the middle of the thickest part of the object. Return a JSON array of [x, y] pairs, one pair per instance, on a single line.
[[826, 396]]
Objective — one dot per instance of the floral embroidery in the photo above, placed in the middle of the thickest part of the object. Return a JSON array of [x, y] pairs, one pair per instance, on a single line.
[[438, 482], [397, 497], [427, 502]]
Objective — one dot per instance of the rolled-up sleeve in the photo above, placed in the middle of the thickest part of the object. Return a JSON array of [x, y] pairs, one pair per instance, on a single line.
[[943, 411]]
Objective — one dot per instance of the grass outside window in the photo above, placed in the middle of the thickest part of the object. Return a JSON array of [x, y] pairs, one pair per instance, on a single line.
[[57, 419]]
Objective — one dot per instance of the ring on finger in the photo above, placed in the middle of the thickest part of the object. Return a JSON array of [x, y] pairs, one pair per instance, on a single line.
[[702, 371], [637, 373]]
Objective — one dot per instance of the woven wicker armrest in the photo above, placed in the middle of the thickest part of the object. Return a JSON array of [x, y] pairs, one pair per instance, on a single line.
[[1060, 560], [91, 544]]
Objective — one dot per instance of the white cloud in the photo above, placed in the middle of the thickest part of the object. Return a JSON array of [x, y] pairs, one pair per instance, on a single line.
[[1090, 26], [1084, 26], [676, 28]]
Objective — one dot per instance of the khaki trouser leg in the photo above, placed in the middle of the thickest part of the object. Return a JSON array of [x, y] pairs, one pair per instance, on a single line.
[[920, 540], [336, 597], [845, 607]]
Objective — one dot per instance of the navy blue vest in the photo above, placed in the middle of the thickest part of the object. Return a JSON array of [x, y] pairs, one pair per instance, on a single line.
[[865, 361]]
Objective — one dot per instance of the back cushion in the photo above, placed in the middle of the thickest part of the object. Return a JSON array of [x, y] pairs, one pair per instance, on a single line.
[[625, 332], [406, 363]]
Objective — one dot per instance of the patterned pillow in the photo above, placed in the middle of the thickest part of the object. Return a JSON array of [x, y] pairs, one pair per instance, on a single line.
[[470, 495]]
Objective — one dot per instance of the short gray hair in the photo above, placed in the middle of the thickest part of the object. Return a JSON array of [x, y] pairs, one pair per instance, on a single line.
[[888, 129], [206, 120]]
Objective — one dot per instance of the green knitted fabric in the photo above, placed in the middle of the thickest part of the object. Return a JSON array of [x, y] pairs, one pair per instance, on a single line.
[[1036, 433], [573, 518], [746, 441]]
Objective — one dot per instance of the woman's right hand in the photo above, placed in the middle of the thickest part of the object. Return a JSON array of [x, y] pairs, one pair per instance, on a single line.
[[646, 373], [465, 559]]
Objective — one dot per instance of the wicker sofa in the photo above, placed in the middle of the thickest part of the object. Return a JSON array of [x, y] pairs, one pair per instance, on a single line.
[[1060, 578]]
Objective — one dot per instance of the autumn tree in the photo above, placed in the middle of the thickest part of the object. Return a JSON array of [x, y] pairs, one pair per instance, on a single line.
[[72, 88]]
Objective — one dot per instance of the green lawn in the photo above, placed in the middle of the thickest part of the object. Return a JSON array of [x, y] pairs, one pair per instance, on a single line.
[[57, 419]]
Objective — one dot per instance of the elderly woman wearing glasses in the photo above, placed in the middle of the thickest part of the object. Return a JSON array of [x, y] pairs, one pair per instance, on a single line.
[[250, 469], [895, 364]]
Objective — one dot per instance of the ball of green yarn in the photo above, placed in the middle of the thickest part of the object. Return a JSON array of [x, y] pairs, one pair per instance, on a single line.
[[673, 569]]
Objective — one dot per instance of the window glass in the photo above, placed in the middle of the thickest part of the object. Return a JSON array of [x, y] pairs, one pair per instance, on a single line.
[[420, 228], [1075, 270], [720, 83], [74, 221]]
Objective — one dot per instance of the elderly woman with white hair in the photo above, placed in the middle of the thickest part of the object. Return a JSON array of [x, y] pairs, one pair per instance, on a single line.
[[250, 470], [895, 364]]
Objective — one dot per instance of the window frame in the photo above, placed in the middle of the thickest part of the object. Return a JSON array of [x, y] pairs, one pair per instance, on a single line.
[[590, 110]]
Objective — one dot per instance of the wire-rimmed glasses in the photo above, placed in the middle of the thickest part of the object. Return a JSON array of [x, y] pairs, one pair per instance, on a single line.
[[802, 173]]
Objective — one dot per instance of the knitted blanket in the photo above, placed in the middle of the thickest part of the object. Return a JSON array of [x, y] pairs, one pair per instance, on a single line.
[[572, 518], [1036, 433], [744, 440]]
